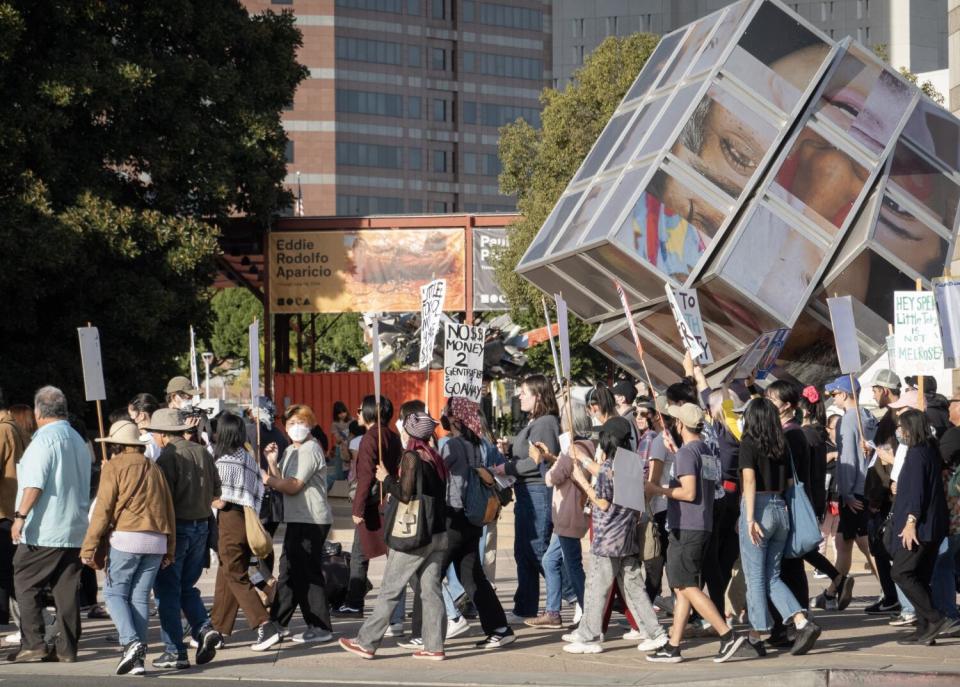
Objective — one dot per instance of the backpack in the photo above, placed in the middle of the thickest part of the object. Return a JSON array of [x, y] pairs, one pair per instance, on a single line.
[[481, 502]]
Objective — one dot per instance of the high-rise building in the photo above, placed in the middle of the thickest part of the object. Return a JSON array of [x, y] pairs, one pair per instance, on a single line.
[[401, 108], [914, 31]]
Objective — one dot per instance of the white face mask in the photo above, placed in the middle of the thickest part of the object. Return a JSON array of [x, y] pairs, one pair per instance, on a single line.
[[399, 426], [298, 432]]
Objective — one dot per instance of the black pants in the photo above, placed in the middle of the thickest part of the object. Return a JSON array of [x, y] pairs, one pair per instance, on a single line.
[[912, 571], [723, 549], [38, 567], [88, 587], [301, 581], [7, 549], [267, 562], [822, 563], [653, 569], [882, 557], [463, 550], [359, 585]]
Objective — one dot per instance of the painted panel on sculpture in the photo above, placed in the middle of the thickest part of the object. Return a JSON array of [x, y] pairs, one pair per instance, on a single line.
[[773, 262], [655, 64], [592, 200], [619, 197], [627, 147], [603, 145], [865, 100], [669, 226], [871, 280], [920, 179], [688, 50], [724, 140], [626, 269], [550, 282], [935, 131], [673, 114], [910, 239], [820, 180], [543, 239], [721, 37], [593, 280], [777, 57]]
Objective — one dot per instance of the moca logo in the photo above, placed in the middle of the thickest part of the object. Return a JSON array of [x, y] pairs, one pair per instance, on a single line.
[[293, 301]]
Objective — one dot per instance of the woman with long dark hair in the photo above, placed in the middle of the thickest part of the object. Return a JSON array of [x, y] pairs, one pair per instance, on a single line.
[[340, 436], [765, 474], [920, 519], [241, 486]]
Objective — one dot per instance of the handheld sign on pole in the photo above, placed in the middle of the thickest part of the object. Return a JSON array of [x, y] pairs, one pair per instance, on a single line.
[[94, 388], [563, 334], [375, 341], [463, 361], [253, 341], [947, 294], [194, 372], [760, 356], [636, 342], [916, 332], [845, 334], [431, 306], [686, 312], [553, 349], [628, 480]]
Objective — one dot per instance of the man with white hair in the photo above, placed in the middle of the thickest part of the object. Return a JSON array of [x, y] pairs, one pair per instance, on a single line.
[[53, 500]]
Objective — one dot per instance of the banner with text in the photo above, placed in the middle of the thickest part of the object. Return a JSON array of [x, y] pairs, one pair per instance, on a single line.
[[367, 270], [463, 361], [916, 332], [686, 311], [486, 292], [431, 307], [947, 292]]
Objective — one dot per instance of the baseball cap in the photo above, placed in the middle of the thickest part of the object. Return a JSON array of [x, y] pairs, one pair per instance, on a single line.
[[888, 379], [626, 389], [842, 383], [689, 414], [910, 398], [181, 385]]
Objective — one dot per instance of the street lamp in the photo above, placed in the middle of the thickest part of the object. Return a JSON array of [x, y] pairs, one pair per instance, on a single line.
[[207, 359]]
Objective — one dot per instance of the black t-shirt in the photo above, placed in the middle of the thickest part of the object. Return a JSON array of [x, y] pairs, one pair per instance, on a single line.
[[771, 474], [802, 455], [817, 439]]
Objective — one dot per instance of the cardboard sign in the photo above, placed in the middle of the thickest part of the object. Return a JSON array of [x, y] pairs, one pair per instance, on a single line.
[[463, 361], [564, 336], [845, 334], [93, 386], [761, 356], [686, 312], [916, 331], [947, 293], [375, 340], [254, 339], [892, 352], [628, 479], [431, 307], [194, 372]]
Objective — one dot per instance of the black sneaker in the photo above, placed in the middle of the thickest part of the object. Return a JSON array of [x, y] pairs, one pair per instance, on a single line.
[[730, 643], [171, 660], [497, 640], [207, 645], [844, 592], [882, 607], [928, 635], [666, 654], [268, 635], [128, 659], [806, 637], [757, 646]]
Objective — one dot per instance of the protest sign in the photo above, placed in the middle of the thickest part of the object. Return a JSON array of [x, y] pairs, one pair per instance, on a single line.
[[564, 336], [892, 352], [845, 334], [463, 361], [686, 311], [630, 322], [553, 349], [254, 340], [194, 372], [760, 357], [628, 479], [431, 307], [93, 385], [916, 332], [947, 294], [375, 347]]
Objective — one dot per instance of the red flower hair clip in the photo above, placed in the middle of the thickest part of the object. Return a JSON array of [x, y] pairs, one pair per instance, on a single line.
[[811, 394]]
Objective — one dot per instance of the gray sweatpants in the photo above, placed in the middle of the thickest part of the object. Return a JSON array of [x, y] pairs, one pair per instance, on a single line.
[[425, 564], [603, 571]]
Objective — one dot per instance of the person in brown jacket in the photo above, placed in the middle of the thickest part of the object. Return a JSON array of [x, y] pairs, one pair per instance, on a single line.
[[134, 509], [12, 443]]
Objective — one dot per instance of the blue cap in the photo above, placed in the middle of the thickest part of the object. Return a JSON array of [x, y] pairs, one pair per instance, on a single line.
[[842, 383]]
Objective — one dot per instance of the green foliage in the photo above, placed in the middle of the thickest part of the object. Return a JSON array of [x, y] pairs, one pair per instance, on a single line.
[[883, 52], [233, 312], [128, 130], [339, 342], [538, 164]]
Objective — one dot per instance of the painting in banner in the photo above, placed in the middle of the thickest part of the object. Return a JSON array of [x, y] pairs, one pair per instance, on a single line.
[[370, 270]]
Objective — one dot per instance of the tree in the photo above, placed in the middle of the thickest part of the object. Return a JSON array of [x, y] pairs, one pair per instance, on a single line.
[[339, 342], [128, 130], [882, 51], [538, 164], [233, 311]]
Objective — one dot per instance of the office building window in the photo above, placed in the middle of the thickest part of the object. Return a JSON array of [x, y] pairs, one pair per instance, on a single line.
[[414, 158], [288, 152], [414, 107], [439, 110], [438, 59], [438, 207], [439, 161], [371, 103], [577, 54], [506, 16], [413, 7], [372, 5], [415, 205], [368, 205], [414, 56], [361, 50], [486, 164], [469, 112], [368, 155], [492, 114], [502, 65], [438, 9], [468, 11], [611, 25]]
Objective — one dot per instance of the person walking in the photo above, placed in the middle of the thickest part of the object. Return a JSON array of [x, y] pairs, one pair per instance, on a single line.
[[12, 445], [241, 487], [422, 478], [340, 438], [194, 483], [53, 502], [134, 509]]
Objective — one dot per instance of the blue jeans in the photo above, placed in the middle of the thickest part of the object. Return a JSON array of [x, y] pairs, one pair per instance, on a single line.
[[452, 590], [176, 590], [400, 610], [129, 580], [531, 528], [563, 572], [906, 608], [761, 562], [944, 581]]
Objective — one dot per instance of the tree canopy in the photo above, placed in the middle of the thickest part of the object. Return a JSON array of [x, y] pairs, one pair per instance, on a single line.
[[128, 130], [538, 164]]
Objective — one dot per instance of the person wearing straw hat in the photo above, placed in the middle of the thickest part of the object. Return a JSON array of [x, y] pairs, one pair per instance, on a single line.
[[135, 508], [194, 484]]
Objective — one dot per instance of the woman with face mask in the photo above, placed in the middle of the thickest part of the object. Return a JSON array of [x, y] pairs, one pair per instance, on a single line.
[[141, 409], [301, 476]]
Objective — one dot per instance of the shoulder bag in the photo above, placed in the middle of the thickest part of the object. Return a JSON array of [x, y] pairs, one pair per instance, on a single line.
[[258, 539], [805, 535], [408, 527], [99, 561]]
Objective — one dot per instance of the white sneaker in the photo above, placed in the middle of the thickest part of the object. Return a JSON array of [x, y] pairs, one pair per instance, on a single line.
[[457, 627], [395, 630], [13, 638], [415, 643], [570, 638], [286, 633], [653, 644], [635, 636], [577, 613], [583, 648], [313, 635]]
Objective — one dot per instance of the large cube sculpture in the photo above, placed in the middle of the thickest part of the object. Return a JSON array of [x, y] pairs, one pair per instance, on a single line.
[[764, 164]]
